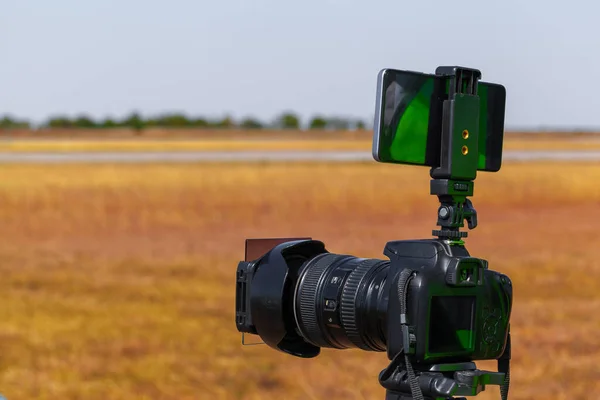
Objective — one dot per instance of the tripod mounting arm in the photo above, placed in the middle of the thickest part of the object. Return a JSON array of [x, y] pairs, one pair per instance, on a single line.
[[454, 208], [440, 381]]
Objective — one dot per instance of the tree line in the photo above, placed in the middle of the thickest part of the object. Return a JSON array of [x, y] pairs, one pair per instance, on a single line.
[[286, 120]]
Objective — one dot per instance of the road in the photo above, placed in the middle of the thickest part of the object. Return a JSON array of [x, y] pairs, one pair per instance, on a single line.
[[257, 156]]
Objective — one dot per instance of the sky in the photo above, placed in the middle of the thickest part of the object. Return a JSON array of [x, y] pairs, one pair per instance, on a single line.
[[263, 57]]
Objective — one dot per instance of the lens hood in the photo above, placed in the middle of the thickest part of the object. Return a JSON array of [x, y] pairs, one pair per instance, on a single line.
[[271, 293]]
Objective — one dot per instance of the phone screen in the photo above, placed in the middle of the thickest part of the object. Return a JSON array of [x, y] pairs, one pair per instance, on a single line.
[[409, 117]]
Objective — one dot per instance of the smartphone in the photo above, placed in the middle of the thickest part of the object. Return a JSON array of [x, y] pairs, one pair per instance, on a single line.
[[408, 119]]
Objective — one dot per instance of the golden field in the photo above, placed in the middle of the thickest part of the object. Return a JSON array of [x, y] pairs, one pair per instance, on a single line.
[[235, 140], [251, 145], [118, 280]]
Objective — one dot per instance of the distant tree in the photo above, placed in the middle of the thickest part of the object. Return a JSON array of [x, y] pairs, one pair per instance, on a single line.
[[134, 121], [288, 120], [225, 123], [151, 123], [251, 123], [59, 122], [108, 123], [318, 122], [360, 125], [174, 121], [155, 122], [8, 122], [199, 123], [84, 121], [340, 124]]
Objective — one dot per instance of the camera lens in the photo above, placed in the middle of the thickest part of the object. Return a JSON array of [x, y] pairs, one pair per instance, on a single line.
[[339, 302]]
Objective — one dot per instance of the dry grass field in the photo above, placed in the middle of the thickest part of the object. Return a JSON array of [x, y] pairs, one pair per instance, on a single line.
[[118, 280], [69, 145], [206, 140]]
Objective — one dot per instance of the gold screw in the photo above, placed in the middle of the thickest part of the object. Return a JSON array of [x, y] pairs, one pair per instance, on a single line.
[[465, 150], [465, 134]]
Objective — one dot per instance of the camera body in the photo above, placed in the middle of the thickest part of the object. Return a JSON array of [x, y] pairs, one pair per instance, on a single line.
[[458, 310]]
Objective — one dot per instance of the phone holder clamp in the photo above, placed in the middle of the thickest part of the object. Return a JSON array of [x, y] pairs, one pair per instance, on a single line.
[[453, 180]]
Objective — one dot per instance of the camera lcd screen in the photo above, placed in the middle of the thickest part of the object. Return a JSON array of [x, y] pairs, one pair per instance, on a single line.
[[451, 321]]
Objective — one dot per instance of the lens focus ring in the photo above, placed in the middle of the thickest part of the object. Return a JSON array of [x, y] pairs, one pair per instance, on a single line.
[[308, 298], [348, 302]]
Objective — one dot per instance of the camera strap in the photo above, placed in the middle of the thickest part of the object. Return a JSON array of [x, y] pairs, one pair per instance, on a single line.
[[400, 365], [409, 339], [504, 367]]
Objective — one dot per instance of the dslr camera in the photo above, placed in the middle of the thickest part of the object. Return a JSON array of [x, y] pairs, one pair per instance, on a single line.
[[433, 307]]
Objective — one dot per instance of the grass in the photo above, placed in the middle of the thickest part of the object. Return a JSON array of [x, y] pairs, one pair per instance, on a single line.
[[117, 280]]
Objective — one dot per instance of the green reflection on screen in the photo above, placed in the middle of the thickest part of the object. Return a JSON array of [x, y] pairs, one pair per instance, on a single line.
[[410, 140], [464, 337]]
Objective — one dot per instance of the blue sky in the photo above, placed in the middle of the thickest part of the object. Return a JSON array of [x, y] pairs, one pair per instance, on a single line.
[[261, 57]]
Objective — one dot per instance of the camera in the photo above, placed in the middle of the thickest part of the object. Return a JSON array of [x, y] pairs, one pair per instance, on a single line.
[[433, 307]]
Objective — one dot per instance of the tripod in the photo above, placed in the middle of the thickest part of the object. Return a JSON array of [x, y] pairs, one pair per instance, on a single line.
[[442, 381]]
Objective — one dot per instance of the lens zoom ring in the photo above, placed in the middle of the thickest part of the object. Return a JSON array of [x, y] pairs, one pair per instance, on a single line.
[[348, 306], [308, 299]]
